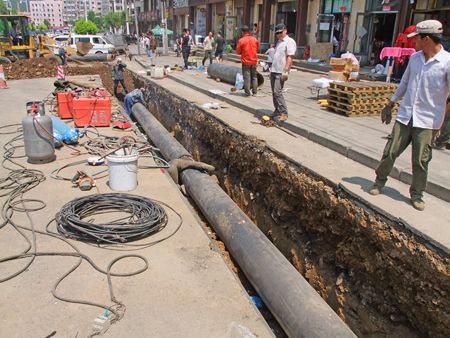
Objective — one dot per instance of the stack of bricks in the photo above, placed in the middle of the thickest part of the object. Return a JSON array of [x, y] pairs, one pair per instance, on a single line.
[[360, 98]]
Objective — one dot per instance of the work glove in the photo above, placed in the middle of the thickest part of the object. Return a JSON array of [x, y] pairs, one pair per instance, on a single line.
[[284, 76], [386, 114]]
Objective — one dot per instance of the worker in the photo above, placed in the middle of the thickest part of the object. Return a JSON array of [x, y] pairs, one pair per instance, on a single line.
[[208, 48], [118, 76], [220, 46], [424, 88], [132, 98], [152, 46], [186, 46], [248, 47], [13, 34], [285, 50]]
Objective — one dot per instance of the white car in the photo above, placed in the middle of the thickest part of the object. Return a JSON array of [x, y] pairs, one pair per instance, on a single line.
[[99, 43]]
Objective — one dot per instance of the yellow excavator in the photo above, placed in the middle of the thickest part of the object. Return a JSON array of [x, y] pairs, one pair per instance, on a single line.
[[16, 41]]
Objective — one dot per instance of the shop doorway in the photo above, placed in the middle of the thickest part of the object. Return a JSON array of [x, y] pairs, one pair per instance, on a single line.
[[374, 31]]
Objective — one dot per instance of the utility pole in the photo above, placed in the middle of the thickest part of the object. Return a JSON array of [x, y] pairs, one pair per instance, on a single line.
[[85, 10], [127, 15], [137, 25], [164, 27]]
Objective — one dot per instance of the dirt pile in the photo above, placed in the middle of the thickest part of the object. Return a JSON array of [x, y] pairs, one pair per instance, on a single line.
[[30, 69]]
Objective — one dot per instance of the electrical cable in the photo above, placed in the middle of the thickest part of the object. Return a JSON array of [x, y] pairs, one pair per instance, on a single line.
[[20, 181]]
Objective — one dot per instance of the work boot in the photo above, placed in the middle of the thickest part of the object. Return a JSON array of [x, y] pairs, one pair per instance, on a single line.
[[418, 203], [280, 118], [375, 190]]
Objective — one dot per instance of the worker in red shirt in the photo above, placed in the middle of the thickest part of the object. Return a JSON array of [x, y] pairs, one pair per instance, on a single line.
[[248, 47]]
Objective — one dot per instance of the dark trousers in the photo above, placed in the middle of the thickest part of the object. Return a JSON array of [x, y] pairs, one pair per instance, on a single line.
[[250, 78], [208, 54], [186, 52], [277, 94], [401, 137], [116, 84]]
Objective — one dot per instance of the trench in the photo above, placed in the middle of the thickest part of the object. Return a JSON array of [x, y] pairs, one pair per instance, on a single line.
[[381, 279]]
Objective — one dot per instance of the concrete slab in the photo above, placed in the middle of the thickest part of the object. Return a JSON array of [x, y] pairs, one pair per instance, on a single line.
[[365, 136], [433, 224], [188, 290]]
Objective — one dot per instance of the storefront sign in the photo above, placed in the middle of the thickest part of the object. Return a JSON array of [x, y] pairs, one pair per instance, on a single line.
[[386, 8], [180, 3]]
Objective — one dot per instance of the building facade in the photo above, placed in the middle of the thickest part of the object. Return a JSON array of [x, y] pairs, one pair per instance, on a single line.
[[50, 10], [359, 26]]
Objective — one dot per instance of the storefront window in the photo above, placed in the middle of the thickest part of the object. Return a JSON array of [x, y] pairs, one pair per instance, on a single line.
[[383, 6], [337, 6]]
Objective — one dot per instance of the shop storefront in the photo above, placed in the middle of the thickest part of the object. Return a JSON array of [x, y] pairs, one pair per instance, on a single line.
[[333, 24], [180, 16], [218, 17], [200, 21], [376, 28], [436, 10], [287, 14]]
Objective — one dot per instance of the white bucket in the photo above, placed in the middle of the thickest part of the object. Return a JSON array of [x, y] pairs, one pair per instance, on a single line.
[[122, 170]]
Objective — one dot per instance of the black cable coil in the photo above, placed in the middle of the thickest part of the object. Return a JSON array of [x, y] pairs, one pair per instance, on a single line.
[[145, 217]]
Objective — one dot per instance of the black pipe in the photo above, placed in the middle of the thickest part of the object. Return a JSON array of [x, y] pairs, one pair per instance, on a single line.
[[295, 304], [227, 73]]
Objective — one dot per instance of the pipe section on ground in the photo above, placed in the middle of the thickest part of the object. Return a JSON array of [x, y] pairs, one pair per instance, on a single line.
[[227, 73], [295, 304], [92, 57]]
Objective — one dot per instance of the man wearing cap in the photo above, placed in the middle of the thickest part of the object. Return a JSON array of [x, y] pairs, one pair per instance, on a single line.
[[282, 60], [424, 88], [117, 75], [248, 47]]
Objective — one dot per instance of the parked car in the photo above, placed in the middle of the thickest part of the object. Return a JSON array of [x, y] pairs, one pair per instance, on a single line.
[[99, 43]]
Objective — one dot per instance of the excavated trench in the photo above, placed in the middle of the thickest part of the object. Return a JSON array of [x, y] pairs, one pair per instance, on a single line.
[[382, 280]]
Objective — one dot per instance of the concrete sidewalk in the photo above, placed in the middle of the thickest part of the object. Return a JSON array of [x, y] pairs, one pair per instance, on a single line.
[[361, 139], [188, 290], [433, 224]]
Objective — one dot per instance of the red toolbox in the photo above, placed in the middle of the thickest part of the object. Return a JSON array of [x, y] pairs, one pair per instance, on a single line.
[[64, 101], [92, 110]]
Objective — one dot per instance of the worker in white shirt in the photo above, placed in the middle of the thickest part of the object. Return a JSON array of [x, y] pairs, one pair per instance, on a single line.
[[424, 87]]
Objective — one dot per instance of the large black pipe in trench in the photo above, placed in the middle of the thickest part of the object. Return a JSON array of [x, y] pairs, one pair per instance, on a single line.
[[295, 304]]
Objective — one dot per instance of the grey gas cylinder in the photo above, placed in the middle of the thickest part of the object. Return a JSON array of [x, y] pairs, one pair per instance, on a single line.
[[38, 139]]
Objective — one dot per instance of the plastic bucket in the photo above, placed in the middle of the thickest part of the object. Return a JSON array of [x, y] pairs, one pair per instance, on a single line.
[[122, 170]]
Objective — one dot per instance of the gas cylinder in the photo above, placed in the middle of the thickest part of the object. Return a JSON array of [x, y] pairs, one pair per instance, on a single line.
[[38, 137]]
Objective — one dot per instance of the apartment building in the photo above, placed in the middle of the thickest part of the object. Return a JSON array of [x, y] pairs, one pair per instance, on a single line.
[[50, 10]]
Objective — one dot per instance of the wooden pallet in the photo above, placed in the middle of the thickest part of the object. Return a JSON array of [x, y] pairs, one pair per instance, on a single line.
[[357, 99], [358, 111], [363, 87]]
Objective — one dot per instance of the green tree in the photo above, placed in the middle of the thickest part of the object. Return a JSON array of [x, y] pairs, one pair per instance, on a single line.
[[47, 23], [114, 20], [95, 18], [85, 27], [43, 27], [3, 9]]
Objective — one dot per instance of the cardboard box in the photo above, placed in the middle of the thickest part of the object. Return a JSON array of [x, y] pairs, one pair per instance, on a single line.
[[337, 76], [338, 61]]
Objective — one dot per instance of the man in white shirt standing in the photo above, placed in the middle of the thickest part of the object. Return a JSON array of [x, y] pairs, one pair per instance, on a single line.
[[425, 87], [208, 47], [279, 72]]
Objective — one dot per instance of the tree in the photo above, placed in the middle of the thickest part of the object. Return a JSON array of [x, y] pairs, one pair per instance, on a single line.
[[3, 9], [95, 18], [85, 27], [43, 27], [47, 23], [114, 20]]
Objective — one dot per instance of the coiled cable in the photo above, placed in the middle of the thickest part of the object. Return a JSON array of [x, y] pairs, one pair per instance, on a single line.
[[144, 217]]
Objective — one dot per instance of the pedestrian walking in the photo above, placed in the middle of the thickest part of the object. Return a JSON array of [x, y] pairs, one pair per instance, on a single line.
[[424, 88], [279, 72], [147, 45], [208, 48], [118, 76], [220, 46], [152, 44], [186, 47], [248, 47]]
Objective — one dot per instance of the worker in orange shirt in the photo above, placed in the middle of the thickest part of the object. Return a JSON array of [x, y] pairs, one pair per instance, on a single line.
[[247, 48]]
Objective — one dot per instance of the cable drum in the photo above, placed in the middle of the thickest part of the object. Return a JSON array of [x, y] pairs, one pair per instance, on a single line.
[[139, 218]]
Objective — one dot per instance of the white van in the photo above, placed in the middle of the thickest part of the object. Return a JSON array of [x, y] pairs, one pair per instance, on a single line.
[[99, 43]]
